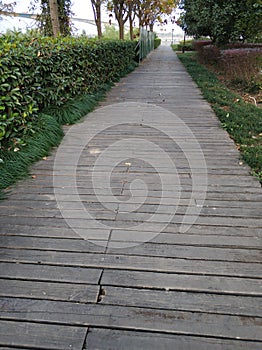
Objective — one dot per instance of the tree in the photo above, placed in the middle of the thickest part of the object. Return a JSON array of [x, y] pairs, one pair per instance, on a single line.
[[96, 6], [151, 11], [44, 19], [121, 10], [54, 17], [222, 20]]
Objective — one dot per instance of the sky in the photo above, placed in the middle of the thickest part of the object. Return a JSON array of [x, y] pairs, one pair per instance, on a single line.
[[80, 8]]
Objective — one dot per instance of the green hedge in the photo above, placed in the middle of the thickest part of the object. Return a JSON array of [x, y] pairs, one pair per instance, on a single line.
[[157, 42], [39, 72]]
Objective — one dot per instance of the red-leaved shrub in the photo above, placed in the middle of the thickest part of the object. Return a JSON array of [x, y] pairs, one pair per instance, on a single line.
[[199, 44], [243, 45], [210, 54], [242, 65]]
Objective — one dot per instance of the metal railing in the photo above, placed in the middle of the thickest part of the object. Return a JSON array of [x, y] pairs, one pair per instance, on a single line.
[[146, 43]]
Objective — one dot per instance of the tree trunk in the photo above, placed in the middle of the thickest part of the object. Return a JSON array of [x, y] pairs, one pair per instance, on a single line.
[[131, 28], [121, 30], [151, 27], [54, 17], [96, 6]]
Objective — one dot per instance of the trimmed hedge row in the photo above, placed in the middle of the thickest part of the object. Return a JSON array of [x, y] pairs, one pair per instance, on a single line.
[[39, 72], [157, 42]]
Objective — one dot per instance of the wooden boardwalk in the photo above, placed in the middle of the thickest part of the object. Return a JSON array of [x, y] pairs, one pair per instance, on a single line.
[[72, 280]]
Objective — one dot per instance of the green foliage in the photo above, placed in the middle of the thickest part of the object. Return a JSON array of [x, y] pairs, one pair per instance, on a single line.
[[157, 42], [187, 45], [241, 120], [110, 32], [14, 165], [223, 21], [46, 82], [39, 72]]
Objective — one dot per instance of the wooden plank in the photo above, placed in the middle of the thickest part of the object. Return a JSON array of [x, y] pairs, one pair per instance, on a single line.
[[39, 272], [221, 240], [146, 249], [41, 336], [129, 262], [184, 301], [81, 293], [182, 282], [52, 232], [189, 252], [63, 244], [195, 231], [143, 319], [131, 219], [101, 339]]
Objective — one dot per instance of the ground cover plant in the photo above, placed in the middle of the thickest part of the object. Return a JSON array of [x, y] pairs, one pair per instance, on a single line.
[[242, 120], [46, 82]]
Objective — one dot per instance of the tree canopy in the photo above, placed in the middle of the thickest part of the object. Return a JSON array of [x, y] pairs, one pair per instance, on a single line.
[[222, 20]]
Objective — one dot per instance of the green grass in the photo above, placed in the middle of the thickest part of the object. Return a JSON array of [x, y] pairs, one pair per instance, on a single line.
[[241, 120], [16, 165]]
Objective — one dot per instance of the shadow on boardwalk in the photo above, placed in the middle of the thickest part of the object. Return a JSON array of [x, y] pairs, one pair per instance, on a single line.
[[142, 231]]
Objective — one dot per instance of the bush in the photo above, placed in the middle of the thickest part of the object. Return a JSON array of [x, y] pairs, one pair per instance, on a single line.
[[39, 72], [242, 66], [187, 46], [157, 42], [199, 44], [209, 54], [243, 46]]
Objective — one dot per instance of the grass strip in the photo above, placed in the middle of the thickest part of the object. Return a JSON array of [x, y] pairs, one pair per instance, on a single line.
[[241, 120]]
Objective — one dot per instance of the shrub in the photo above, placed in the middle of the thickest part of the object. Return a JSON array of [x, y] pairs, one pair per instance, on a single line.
[[39, 72], [157, 42], [187, 46], [199, 44], [242, 66], [209, 54], [242, 45]]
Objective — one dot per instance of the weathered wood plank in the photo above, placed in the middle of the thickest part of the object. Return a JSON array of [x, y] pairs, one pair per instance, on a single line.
[[184, 301], [102, 234], [41, 336], [236, 240], [129, 262], [176, 322], [101, 339], [80, 293], [39, 272], [188, 252], [144, 249], [52, 232], [182, 282], [131, 219], [63, 244]]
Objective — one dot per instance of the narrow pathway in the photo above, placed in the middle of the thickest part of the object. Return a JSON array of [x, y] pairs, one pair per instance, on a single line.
[[142, 231]]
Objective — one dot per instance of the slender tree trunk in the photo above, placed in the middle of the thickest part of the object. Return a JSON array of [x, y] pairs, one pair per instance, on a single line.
[[151, 27], [131, 27], [98, 22], [121, 29], [96, 6], [54, 17]]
